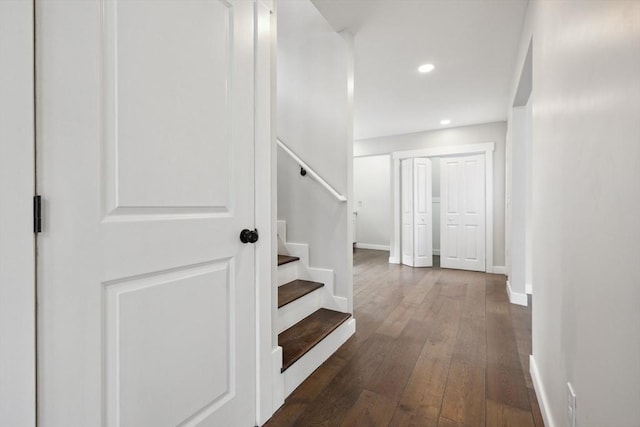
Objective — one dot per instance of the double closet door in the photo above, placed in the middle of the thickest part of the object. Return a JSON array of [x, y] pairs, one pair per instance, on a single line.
[[462, 212]]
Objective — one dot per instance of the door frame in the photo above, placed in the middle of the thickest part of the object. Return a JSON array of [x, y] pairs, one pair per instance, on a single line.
[[17, 245], [269, 393], [19, 352], [485, 149]]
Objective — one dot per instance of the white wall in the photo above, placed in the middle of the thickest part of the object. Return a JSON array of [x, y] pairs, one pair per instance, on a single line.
[[314, 115], [518, 135], [586, 205], [489, 132], [17, 264], [372, 201]]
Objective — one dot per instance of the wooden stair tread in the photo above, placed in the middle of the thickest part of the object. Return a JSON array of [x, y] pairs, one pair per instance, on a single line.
[[285, 259], [304, 335], [291, 291]]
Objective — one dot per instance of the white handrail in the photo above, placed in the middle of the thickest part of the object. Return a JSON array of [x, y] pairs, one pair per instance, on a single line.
[[311, 172]]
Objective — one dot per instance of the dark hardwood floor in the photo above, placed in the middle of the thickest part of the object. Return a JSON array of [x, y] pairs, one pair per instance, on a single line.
[[432, 347]]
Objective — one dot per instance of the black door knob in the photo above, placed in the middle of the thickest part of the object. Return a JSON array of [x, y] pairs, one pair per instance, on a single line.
[[249, 236]]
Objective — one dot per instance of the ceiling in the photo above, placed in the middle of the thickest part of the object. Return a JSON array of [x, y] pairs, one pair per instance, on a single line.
[[472, 43]]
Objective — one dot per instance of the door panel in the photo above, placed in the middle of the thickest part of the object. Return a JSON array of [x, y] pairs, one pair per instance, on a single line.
[[423, 213], [147, 313], [151, 76], [406, 183], [463, 213]]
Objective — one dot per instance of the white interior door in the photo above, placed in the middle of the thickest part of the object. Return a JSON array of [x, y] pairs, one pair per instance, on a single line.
[[422, 213], [406, 194], [145, 163], [462, 195], [417, 213]]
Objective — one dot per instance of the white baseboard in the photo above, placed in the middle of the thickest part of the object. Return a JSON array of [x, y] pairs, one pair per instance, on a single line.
[[516, 297], [278, 380], [499, 269], [436, 252], [372, 246], [394, 260], [543, 400], [528, 288]]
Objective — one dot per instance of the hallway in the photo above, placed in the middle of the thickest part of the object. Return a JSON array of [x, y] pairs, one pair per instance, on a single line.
[[432, 348]]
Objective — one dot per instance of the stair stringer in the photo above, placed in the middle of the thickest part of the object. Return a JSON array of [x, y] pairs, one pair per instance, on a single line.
[[328, 298]]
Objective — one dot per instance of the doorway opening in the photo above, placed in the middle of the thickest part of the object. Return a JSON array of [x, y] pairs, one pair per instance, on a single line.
[[465, 167]]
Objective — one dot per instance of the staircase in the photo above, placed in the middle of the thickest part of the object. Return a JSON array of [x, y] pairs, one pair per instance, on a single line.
[[312, 321]]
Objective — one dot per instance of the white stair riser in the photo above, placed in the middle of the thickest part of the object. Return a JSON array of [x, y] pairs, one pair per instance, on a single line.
[[288, 272], [297, 310], [300, 371]]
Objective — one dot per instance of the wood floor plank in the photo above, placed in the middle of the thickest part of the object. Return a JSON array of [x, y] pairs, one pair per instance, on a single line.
[[471, 342], [391, 377], [425, 389], [464, 397], [442, 321], [318, 381], [444, 422], [371, 409], [507, 386], [535, 408], [500, 415], [396, 321], [501, 346], [419, 416]]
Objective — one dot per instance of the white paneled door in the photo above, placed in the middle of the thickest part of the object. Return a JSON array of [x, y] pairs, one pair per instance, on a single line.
[[417, 213], [462, 224], [406, 195], [145, 163]]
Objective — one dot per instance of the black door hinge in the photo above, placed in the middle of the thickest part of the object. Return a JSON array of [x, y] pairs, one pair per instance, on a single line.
[[37, 214]]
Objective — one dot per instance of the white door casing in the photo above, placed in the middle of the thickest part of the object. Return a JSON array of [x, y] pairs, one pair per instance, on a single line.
[[422, 213], [407, 212], [146, 295], [463, 213]]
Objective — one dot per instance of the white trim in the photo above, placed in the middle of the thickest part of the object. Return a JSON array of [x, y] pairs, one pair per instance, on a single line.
[[516, 297], [372, 246], [450, 150], [488, 168], [528, 288], [17, 244], [265, 215], [487, 149], [543, 399], [499, 269], [277, 385], [313, 174]]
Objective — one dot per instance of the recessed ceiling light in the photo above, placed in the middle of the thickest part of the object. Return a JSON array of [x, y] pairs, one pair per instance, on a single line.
[[426, 68], [445, 121]]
